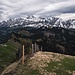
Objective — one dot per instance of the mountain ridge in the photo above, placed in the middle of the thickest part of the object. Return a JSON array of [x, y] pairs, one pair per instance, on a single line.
[[32, 21]]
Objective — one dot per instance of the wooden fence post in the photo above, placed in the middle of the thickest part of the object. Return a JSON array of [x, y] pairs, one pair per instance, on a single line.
[[23, 55], [32, 48], [41, 48], [35, 47]]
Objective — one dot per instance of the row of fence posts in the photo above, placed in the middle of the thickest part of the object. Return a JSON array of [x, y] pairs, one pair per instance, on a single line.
[[35, 48]]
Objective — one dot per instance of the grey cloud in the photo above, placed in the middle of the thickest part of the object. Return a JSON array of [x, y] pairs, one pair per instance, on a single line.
[[1, 12], [58, 8], [18, 8], [21, 14], [68, 10]]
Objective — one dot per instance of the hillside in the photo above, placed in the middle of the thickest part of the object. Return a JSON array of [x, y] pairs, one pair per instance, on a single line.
[[56, 39], [45, 63], [8, 53]]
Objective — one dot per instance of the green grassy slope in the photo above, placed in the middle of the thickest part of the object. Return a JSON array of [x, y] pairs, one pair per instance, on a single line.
[[47, 63], [8, 53], [65, 67]]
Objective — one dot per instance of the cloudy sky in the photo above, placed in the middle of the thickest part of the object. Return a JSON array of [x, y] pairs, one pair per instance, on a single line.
[[64, 9]]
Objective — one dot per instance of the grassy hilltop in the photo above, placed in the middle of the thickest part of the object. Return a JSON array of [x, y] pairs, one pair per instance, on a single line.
[[45, 63]]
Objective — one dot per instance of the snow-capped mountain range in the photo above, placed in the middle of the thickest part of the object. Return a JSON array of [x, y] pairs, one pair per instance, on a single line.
[[32, 21]]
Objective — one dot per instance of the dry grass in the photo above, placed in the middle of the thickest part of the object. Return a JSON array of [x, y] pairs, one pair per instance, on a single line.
[[47, 63]]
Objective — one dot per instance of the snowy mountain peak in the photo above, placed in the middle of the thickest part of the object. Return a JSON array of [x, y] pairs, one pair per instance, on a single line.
[[32, 21]]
